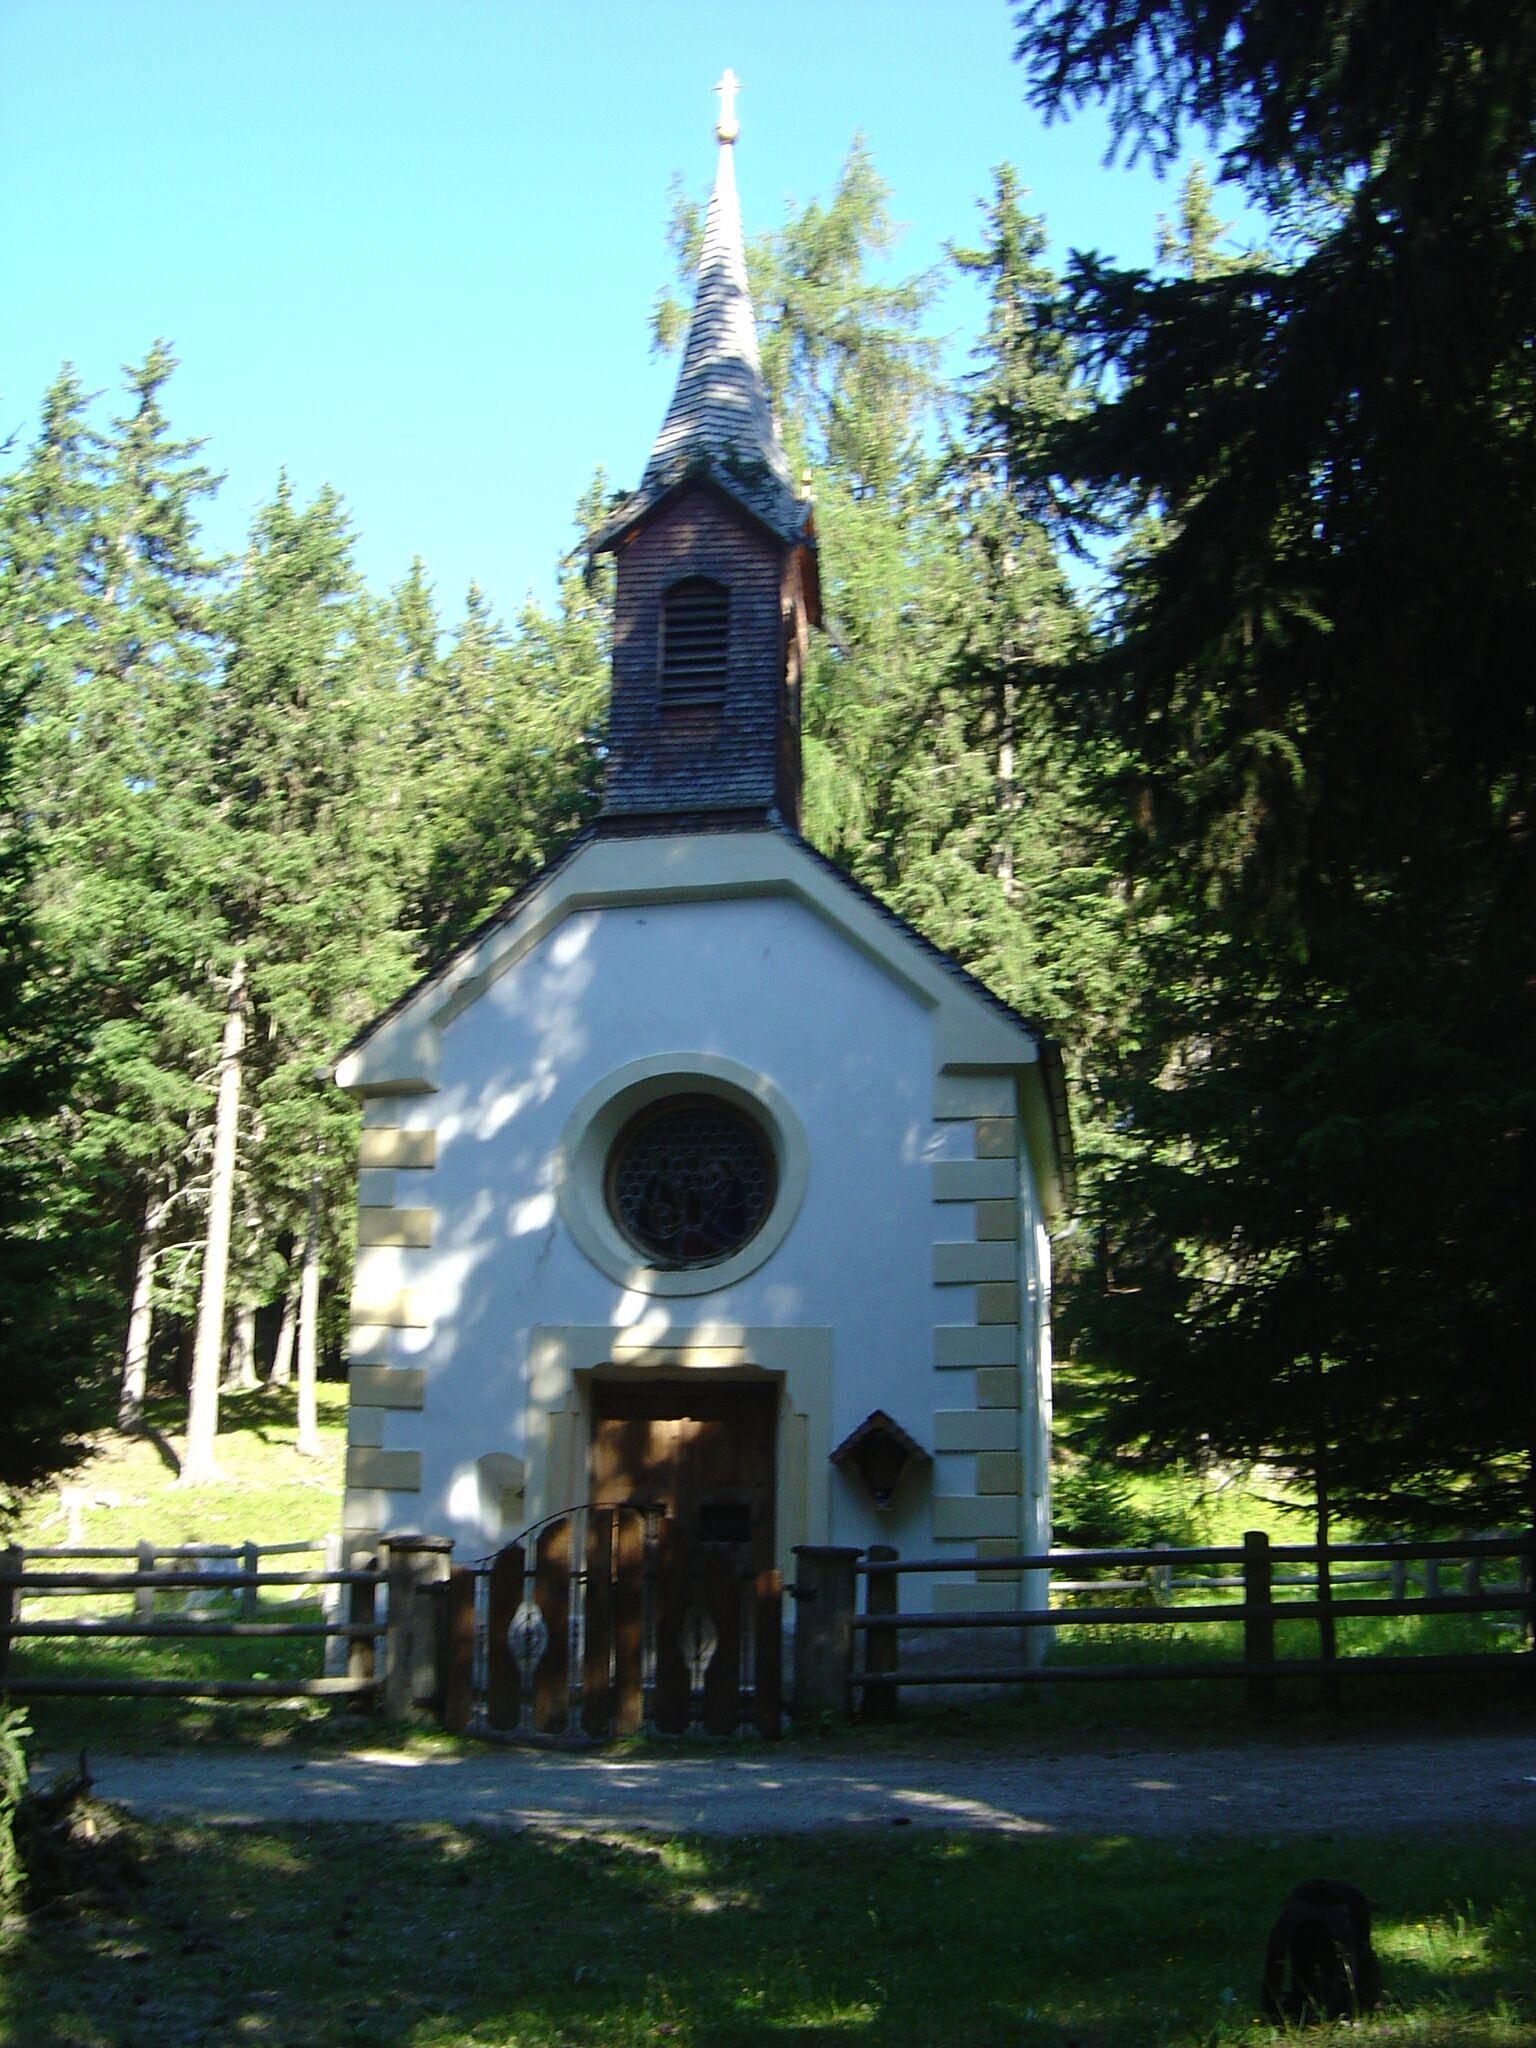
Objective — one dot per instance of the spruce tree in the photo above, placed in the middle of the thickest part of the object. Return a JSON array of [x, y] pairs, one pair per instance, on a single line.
[[520, 714], [1317, 675], [52, 1330]]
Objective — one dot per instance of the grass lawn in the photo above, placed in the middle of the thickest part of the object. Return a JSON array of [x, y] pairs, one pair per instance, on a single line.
[[268, 1494], [311, 1937]]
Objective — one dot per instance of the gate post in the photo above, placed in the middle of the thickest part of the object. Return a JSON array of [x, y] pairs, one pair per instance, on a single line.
[[881, 1597], [824, 1606], [1259, 1625], [417, 1569], [361, 1652], [12, 1563]]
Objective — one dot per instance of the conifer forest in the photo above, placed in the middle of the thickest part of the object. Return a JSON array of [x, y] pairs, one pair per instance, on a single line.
[[1177, 677]]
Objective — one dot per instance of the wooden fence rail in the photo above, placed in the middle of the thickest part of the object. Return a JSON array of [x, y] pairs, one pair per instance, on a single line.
[[847, 1655], [147, 1558], [359, 1629], [188, 1582], [172, 1549]]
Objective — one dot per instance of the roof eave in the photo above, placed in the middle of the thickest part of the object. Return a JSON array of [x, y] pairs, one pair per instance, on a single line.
[[645, 505]]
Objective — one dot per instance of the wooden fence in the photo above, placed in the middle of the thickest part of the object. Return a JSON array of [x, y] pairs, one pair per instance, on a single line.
[[238, 1573], [848, 1650], [847, 1654]]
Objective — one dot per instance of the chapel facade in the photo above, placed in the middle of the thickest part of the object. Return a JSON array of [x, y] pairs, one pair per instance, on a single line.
[[695, 1176]]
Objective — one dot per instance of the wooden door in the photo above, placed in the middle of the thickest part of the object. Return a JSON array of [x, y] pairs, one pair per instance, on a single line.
[[703, 1453]]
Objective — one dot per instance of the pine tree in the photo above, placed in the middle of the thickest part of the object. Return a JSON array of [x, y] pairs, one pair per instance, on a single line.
[[146, 935], [111, 595], [1037, 914]]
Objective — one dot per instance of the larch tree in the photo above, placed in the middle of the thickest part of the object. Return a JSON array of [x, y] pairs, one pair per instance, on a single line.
[[311, 945]]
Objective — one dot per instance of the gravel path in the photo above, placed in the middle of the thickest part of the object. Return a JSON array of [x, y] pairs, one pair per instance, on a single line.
[[1483, 1781]]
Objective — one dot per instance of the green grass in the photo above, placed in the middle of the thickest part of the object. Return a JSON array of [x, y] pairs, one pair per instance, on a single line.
[[268, 1494], [1221, 1509], [311, 1937]]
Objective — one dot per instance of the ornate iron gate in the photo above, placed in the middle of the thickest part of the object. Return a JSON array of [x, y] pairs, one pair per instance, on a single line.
[[604, 1621]]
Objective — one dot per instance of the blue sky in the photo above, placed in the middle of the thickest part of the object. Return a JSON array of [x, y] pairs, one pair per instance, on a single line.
[[409, 247]]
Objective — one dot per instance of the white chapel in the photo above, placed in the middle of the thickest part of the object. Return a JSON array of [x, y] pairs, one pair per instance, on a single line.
[[695, 1175]]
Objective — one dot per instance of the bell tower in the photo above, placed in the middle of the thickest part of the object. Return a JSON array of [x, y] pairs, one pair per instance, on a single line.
[[716, 572]]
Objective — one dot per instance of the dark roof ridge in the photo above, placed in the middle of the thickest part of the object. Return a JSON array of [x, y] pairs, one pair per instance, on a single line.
[[506, 908], [1049, 1048]]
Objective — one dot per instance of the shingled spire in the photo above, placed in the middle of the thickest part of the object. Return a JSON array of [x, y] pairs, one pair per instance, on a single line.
[[720, 423], [717, 581]]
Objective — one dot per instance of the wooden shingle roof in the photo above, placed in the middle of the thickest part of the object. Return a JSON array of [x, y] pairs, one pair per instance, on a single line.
[[720, 423]]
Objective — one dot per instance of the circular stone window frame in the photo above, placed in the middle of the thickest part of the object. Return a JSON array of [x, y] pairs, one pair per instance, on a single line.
[[605, 1112]]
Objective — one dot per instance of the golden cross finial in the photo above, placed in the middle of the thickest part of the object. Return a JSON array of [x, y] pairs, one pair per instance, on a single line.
[[728, 127]]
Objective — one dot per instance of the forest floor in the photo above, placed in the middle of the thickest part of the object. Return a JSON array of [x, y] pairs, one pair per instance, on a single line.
[[130, 1490]]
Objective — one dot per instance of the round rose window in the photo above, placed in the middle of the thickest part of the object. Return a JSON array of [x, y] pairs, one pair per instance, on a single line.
[[690, 1180]]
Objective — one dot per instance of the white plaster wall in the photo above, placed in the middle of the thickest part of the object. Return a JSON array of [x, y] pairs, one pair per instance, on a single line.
[[763, 982]]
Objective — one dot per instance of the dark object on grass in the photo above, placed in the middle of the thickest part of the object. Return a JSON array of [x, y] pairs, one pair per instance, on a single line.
[[1319, 1964], [76, 1853]]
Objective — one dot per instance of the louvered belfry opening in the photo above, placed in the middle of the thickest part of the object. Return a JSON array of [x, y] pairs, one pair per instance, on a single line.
[[695, 642]]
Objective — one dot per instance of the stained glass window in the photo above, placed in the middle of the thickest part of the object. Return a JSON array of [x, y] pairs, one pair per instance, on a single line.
[[690, 1180]]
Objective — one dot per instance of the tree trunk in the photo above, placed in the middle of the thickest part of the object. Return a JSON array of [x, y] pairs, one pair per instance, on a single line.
[[199, 1465], [281, 1374], [1007, 714], [309, 1326], [141, 1316], [1007, 795], [240, 1367]]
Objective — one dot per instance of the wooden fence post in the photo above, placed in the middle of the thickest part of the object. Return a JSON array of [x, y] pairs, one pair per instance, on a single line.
[[333, 1605], [1397, 1585], [1259, 1624], [362, 1651], [1327, 1632], [12, 1559], [881, 1597], [824, 1605], [144, 1603], [1161, 1577], [250, 1596], [459, 1649], [417, 1566]]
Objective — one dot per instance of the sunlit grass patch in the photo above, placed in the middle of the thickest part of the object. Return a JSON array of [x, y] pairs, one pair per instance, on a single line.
[[269, 1494]]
